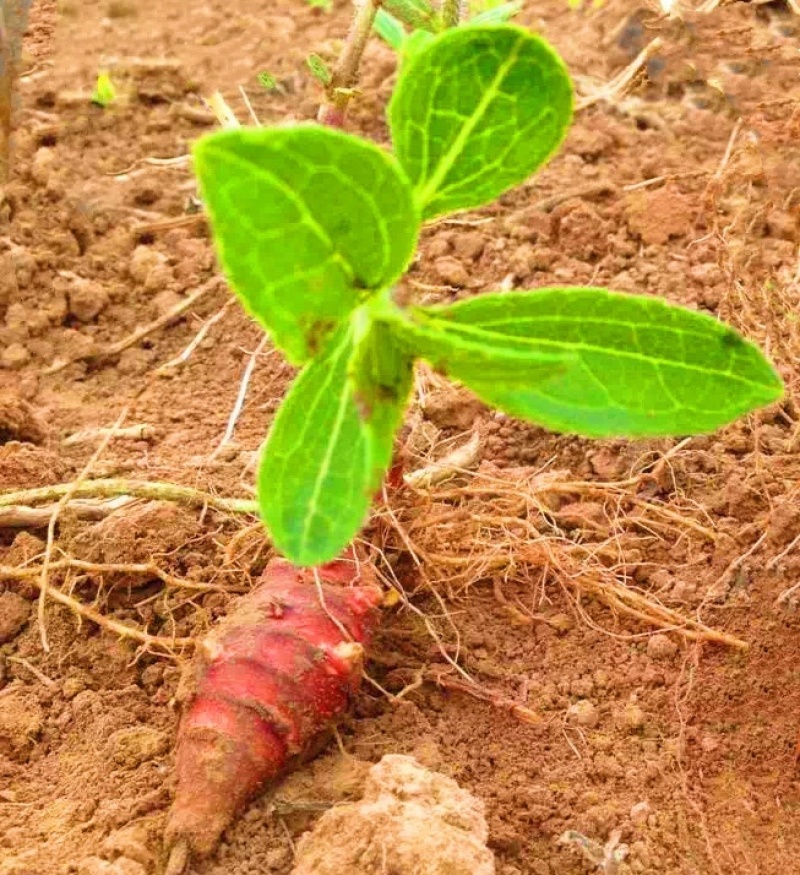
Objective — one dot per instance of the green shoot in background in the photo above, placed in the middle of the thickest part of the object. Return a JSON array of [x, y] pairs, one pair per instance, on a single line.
[[319, 69], [104, 93], [267, 81], [425, 21], [315, 227]]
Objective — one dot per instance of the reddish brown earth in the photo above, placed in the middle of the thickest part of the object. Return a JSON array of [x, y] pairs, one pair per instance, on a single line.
[[687, 185]]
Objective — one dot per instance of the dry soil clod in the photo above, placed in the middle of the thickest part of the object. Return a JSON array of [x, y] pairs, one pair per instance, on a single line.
[[410, 822]]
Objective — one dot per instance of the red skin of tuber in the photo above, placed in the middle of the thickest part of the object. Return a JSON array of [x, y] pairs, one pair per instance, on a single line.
[[270, 679]]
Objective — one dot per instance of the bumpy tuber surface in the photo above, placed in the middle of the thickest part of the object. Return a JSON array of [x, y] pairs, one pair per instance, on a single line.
[[269, 680], [410, 822]]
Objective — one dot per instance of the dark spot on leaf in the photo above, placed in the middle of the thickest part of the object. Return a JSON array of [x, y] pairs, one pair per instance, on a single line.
[[376, 393], [732, 339], [364, 408], [317, 334]]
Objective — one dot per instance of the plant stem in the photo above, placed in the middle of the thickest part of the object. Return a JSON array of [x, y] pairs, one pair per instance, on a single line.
[[345, 74], [13, 22], [451, 12], [6, 92], [116, 486]]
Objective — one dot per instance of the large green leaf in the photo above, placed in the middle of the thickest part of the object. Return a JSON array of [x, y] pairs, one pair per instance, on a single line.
[[308, 222], [635, 367], [329, 446], [476, 112]]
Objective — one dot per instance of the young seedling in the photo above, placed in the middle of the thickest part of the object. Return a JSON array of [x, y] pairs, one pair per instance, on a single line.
[[319, 70], [267, 81], [105, 93], [315, 228]]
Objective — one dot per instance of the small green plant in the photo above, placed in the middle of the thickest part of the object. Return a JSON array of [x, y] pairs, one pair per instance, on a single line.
[[425, 21], [315, 228], [267, 81], [104, 93], [319, 69]]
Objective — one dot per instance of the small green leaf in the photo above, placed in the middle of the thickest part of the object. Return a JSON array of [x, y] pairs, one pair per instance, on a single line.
[[267, 81], [497, 14], [104, 93], [319, 69], [477, 112], [308, 223], [417, 14], [636, 366], [389, 29], [328, 447], [327, 5]]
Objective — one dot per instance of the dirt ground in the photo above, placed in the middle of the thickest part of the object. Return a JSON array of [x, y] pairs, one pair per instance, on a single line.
[[686, 184]]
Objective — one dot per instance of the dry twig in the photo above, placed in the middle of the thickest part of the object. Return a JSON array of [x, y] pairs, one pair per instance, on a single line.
[[504, 524], [141, 432], [115, 349], [616, 86], [51, 528], [114, 487], [241, 395]]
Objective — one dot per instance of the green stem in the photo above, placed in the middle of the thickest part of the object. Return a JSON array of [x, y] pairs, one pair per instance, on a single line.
[[345, 75], [451, 13], [116, 486]]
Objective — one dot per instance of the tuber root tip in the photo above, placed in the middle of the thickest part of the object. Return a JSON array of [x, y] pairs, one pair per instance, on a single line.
[[178, 860]]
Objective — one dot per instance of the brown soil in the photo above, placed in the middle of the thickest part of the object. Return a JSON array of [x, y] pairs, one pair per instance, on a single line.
[[688, 748]]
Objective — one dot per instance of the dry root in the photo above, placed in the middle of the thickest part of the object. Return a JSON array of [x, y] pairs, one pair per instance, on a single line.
[[506, 526]]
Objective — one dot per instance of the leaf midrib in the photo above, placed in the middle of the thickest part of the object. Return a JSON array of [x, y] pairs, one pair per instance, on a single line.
[[325, 464], [446, 162], [301, 205]]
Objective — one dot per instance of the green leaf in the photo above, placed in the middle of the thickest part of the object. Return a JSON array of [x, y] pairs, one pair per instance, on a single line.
[[472, 355], [319, 69], [389, 29], [636, 367], [415, 42], [477, 112], [329, 446], [267, 81], [308, 223], [417, 14], [497, 14]]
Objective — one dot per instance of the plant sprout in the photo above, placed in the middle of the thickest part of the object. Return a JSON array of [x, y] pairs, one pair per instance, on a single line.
[[425, 21], [315, 228], [267, 81], [104, 93]]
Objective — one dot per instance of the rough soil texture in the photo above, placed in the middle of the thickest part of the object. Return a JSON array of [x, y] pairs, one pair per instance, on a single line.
[[685, 186], [410, 821]]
